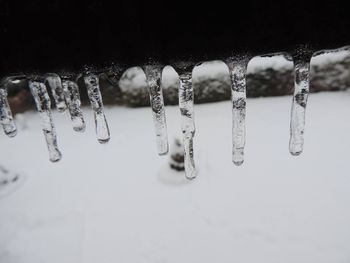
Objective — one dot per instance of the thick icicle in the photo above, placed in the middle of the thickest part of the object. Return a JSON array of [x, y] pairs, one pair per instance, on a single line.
[[187, 121], [54, 82], [72, 97], [6, 118], [43, 104], [94, 93], [153, 76], [301, 92], [238, 70]]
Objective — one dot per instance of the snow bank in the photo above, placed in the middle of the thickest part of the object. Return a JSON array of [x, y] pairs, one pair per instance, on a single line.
[[120, 203]]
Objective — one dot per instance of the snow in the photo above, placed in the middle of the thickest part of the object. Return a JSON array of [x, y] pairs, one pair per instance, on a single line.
[[276, 62], [333, 56], [274, 208], [279, 62], [210, 69], [134, 78]]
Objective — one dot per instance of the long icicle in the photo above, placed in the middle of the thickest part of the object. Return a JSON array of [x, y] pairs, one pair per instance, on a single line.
[[153, 75], [238, 70], [43, 104], [72, 97], [55, 84], [187, 121], [301, 92], [93, 89], [6, 118]]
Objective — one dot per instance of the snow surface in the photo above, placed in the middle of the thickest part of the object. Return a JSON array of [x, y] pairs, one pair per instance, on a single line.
[[121, 203]]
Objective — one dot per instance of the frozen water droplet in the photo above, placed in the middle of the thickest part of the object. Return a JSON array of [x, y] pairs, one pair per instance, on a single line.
[[301, 92], [6, 118], [153, 76], [238, 70], [54, 83], [187, 121], [43, 105], [94, 93], [72, 97]]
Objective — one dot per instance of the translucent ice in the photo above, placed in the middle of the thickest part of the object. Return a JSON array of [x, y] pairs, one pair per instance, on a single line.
[[187, 121], [153, 76], [94, 93], [43, 104], [6, 118], [238, 71], [72, 97], [55, 84], [301, 92]]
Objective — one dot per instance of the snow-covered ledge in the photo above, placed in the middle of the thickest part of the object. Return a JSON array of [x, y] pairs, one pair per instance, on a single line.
[[267, 76]]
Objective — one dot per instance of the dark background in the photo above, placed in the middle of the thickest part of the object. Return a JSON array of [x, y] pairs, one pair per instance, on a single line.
[[49, 35]]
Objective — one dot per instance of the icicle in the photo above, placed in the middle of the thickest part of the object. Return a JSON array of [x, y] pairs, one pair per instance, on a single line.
[[187, 121], [238, 69], [43, 104], [301, 92], [54, 82], [72, 97], [6, 118], [94, 93], [153, 76]]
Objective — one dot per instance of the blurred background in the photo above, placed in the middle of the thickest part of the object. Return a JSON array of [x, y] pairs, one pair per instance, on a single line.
[[121, 202]]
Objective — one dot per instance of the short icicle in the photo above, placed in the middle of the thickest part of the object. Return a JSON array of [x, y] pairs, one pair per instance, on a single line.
[[55, 84], [72, 97], [187, 120], [238, 70], [93, 89], [6, 118], [153, 76], [301, 92], [43, 105]]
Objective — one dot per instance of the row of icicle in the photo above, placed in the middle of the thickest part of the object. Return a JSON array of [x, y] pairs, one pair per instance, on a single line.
[[65, 92]]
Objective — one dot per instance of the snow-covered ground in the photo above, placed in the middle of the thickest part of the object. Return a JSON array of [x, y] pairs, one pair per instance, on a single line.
[[120, 202]]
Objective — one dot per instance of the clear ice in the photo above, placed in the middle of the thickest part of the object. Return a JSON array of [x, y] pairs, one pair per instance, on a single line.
[[6, 118], [153, 76], [72, 97], [43, 104], [94, 93], [187, 122], [301, 92], [238, 70], [55, 84]]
